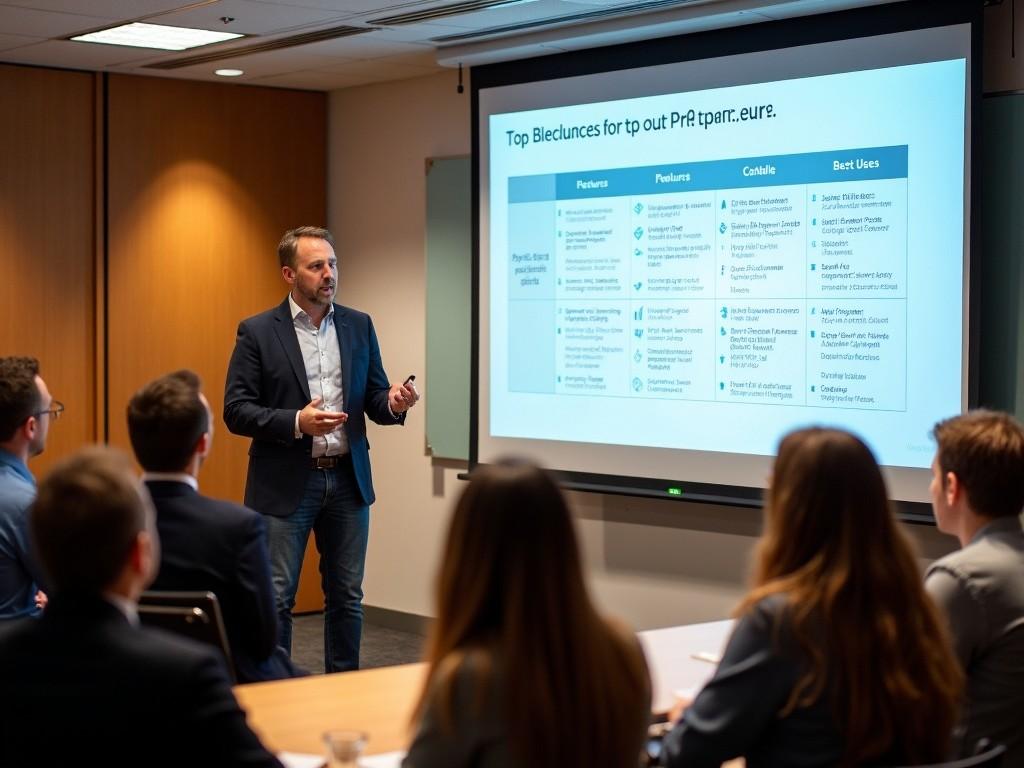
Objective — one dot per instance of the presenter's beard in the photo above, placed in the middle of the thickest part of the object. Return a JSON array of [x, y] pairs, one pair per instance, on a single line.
[[323, 297]]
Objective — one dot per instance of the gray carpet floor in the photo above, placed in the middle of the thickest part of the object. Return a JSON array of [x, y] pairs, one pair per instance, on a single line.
[[381, 646]]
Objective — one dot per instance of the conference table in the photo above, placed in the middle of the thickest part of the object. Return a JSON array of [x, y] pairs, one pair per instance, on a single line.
[[291, 716]]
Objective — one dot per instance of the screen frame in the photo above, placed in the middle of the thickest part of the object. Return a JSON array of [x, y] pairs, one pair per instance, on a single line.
[[905, 16]]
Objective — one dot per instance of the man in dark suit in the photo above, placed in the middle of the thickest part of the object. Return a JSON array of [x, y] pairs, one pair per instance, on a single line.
[[302, 379], [206, 544], [85, 683]]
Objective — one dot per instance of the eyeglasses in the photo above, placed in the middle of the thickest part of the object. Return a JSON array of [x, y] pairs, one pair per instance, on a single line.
[[55, 410]]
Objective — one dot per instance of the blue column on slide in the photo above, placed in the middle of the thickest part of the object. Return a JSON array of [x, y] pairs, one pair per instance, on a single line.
[[532, 234]]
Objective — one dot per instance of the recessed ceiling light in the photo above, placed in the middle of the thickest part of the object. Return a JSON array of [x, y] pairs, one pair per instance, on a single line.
[[165, 38], [229, 72]]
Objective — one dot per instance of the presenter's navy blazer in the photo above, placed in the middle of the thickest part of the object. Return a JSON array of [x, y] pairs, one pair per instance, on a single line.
[[266, 385]]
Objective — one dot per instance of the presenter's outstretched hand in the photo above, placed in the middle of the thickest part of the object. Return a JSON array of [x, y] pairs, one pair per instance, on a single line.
[[313, 421], [402, 397]]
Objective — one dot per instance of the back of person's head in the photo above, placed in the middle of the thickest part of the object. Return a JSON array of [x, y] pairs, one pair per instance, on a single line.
[[827, 504], [511, 588], [511, 554], [855, 599], [166, 419], [86, 520], [19, 393], [985, 450]]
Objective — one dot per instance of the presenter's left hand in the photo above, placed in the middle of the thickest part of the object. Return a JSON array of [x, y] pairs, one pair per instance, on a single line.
[[402, 397]]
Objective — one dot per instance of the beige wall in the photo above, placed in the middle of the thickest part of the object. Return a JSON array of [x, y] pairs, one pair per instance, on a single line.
[[654, 563]]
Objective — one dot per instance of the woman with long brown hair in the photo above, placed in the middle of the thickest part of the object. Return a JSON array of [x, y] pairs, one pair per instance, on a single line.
[[522, 671], [838, 656]]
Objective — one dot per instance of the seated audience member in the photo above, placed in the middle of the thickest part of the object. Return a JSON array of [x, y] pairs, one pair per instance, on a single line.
[[838, 657], [207, 544], [977, 493], [26, 410], [522, 671], [84, 683]]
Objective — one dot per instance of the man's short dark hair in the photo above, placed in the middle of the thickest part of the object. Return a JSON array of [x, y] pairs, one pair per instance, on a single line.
[[985, 450], [86, 517], [19, 393], [166, 418], [289, 245]]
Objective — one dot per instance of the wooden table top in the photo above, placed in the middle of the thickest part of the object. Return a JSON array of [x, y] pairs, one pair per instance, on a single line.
[[292, 715]]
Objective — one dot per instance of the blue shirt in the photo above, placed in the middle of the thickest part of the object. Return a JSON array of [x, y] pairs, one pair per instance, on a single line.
[[18, 573]]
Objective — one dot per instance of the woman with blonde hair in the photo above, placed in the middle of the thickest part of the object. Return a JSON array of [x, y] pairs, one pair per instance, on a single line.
[[522, 670], [838, 656]]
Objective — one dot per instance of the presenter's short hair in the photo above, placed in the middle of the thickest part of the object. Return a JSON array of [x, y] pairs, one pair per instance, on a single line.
[[85, 520], [289, 245], [166, 418], [19, 393], [985, 450]]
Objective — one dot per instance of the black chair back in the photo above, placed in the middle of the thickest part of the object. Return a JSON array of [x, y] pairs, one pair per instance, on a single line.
[[195, 615]]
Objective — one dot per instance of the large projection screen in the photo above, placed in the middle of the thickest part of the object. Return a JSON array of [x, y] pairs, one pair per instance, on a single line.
[[679, 262]]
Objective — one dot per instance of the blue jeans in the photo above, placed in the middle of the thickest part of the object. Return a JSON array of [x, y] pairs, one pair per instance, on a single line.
[[332, 507]]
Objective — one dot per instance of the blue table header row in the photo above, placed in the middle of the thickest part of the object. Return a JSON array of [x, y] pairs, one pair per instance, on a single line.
[[774, 170]]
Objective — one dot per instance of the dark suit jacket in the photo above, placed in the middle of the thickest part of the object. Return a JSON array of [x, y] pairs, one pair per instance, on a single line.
[[207, 544], [266, 385], [82, 686]]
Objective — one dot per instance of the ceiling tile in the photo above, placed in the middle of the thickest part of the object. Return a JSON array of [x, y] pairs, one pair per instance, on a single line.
[[72, 55], [414, 33], [111, 9], [313, 81], [34, 23], [341, 7], [375, 47], [368, 46], [270, 63], [250, 18], [16, 41], [426, 58], [324, 65], [381, 69]]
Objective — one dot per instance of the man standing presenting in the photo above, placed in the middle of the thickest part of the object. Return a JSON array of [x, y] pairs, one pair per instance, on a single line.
[[977, 494], [301, 380], [26, 410]]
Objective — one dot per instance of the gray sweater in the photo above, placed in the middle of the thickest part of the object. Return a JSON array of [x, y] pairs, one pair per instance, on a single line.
[[981, 590]]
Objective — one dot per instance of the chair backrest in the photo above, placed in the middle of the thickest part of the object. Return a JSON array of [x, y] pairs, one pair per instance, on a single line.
[[990, 757], [195, 615]]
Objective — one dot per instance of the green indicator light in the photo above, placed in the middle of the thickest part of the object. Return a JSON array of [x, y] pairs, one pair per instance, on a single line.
[[675, 491]]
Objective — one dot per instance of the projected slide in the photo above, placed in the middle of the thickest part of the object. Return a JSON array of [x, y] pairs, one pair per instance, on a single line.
[[704, 270], [775, 280]]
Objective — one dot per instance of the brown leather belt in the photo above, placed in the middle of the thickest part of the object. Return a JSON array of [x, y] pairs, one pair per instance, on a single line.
[[324, 462]]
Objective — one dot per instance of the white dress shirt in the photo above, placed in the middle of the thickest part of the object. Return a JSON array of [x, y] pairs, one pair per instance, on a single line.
[[321, 357]]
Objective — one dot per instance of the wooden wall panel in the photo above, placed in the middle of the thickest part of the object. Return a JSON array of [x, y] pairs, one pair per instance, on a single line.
[[47, 212], [203, 180]]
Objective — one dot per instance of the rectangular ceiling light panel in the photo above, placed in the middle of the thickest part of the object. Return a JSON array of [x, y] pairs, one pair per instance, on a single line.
[[139, 35]]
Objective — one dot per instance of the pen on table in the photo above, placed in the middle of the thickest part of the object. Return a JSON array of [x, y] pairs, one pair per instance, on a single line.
[[710, 658]]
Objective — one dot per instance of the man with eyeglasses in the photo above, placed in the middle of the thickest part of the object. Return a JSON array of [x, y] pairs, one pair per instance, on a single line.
[[26, 410]]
